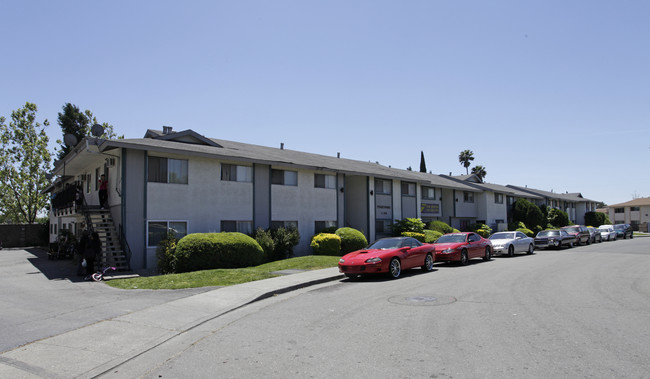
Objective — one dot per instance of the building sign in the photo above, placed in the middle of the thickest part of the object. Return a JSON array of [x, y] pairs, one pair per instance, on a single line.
[[383, 207], [430, 208]]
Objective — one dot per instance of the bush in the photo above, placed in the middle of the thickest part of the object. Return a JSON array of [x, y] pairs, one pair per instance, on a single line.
[[441, 227], [418, 236], [205, 251], [284, 240], [265, 240], [596, 219], [414, 225], [482, 229], [430, 236], [557, 218], [351, 240], [326, 244], [526, 231], [166, 254]]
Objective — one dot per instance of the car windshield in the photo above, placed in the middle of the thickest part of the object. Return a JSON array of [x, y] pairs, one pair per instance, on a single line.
[[386, 243], [619, 227], [451, 238], [548, 233], [502, 236], [603, 230], [572, 229]]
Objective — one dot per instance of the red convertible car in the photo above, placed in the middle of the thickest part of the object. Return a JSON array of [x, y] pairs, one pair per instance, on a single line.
[[388, 255], [461, 247]]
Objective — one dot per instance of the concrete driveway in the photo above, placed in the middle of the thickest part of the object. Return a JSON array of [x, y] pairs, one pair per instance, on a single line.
[[40, 298]]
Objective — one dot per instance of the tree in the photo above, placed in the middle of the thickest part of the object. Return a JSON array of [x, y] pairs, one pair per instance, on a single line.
[[423, 164], [24, 161], [465, 158], [528, 213], [479, 171], [79, 124], [558, 218]]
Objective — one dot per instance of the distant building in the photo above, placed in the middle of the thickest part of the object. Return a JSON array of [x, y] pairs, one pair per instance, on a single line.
[[634, 212]]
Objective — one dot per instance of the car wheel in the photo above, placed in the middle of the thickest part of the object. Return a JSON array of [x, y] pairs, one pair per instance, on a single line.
[[511, 251], [488, 254], [589, 241], [464, 259], [428, 263], [531, 249], [395, 268]]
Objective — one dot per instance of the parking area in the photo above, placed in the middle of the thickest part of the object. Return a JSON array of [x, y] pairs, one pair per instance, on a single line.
[[42, 298]]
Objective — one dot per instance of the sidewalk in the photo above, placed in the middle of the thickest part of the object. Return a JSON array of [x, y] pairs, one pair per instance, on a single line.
[[99, 348]]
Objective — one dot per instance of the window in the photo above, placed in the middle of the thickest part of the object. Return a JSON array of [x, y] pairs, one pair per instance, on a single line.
[[383, 186], [284, 224], [319, 226], [408, 189], [428, 193], [635, 209], [284, 177], [383, 227], [468, 197], [324, 181], [498, 198], [245, 227], [619, 210], [88, 181], [511, 200], [235, 173], [167, 170], [158, 230]]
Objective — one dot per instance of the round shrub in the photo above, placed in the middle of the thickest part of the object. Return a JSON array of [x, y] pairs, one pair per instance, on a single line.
[[326, 244], [430, 236], [418, 236], [205, 251], [351, 240], [440, 226]]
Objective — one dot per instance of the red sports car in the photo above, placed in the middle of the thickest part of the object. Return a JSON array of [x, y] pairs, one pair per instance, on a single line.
[[461, 247], [388, 255]]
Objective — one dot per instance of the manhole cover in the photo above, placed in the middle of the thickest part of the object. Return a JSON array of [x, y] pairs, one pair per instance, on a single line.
[[421, 300]]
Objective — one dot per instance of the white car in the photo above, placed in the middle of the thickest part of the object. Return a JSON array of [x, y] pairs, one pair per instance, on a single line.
[[607, 233], [511, 242]]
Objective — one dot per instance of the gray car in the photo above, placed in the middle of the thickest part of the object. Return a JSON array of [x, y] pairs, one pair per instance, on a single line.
[[511, 242]]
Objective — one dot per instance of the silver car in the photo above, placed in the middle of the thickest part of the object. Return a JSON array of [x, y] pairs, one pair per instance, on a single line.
[[511, 242], [607, 233]]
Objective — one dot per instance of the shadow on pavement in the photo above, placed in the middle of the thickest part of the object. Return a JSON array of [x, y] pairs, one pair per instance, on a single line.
[[58, 269]]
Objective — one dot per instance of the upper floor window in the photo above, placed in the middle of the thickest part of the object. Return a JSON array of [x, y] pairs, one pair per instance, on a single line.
[[468, 197], [619, 210], [383, 186], [498, 198], [408, 189], [635, 209], [235, 173], [324, 181], [428, 193], [167, 170], [284, 177]]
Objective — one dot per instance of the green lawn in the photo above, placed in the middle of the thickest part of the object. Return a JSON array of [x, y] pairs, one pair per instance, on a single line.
[[224, 277]]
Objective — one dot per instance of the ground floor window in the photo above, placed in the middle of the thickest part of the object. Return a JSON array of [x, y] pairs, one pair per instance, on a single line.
[[284, 224], [319, 226], [245, 227], [158, 231]]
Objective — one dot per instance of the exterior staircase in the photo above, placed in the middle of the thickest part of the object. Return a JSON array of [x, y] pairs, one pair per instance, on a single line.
[[112, 253]]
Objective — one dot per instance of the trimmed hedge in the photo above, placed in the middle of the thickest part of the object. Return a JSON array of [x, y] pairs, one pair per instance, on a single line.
[[527, 232], [326, 244], [431, 236], [441, 227], [206, 251], [418, 236], [351, 240]]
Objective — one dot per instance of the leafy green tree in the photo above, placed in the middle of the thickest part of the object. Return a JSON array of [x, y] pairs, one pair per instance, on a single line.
[[479, 171], [79, 124], [423, 164], [465, 158], [528, 213], [557, 218], [24, 161]]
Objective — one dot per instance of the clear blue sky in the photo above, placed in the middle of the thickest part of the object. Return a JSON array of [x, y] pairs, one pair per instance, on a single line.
[[554, 95]]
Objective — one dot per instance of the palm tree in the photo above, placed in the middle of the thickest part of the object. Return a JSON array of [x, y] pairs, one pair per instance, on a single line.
[[465, 158], [479, 171]]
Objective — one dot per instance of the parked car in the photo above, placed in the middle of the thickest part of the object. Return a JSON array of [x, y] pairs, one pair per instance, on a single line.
[[607, 233], [461, 247], [623, 230], [390, 256], [511, 243], [554, 238], [580, 232], [595, 235]]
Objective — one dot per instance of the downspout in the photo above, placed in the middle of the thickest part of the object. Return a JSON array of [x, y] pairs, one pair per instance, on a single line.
[[144, 207]]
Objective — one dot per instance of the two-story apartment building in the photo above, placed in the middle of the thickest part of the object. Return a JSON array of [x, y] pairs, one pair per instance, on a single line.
[[634, 212]]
